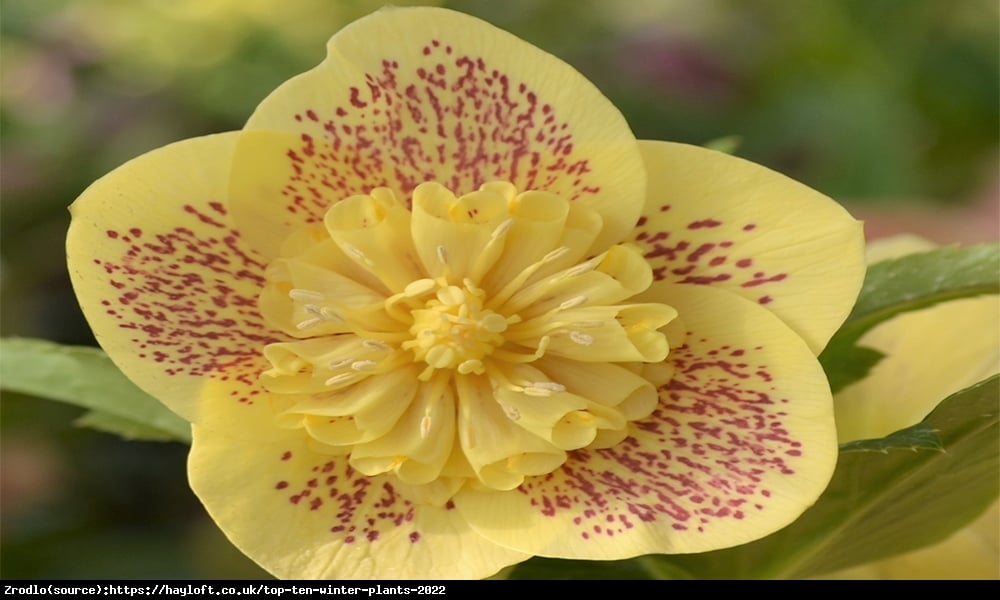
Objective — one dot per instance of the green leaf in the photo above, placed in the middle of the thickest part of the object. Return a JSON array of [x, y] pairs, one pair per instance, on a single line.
[[86, 377], [126, 428], [886, 497], [904, 284], [918, 437]]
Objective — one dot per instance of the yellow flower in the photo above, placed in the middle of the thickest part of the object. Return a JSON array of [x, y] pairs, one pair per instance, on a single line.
[[435, 310], [930, 354]]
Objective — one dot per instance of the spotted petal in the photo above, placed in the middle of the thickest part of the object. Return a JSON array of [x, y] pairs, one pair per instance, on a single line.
[[409, 95], [714, 219], [334, 523], [167, 284], [742, 441]]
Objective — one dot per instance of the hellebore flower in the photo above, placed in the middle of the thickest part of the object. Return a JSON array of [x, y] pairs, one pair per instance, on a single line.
[[925, 362], [435, 310]]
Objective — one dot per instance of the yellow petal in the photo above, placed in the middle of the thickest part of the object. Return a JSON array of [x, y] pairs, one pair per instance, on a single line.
[[604, 383], [499, 452], [741, 443], [420, 443], [303, 515], [458, 233], [167, 284], [408, 95], [372, 229], [610, 277], [618, 333], [714, 219], [930, 354], [318, 289]]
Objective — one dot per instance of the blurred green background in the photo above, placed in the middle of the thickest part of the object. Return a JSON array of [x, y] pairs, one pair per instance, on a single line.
[[890, 106]]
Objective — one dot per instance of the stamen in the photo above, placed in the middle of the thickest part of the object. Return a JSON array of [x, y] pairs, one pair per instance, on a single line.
[[543, 389], [376, 345], [549, 385], [324, 313], [302, 295], [581, 338], [514, 357], [338, 379], [512, 413], [491, 252], [357, 254], [573, 302], [364, 366], [303, 325], [551, 256], [515, 284], [580, 269], [442, 254], [336, 364]]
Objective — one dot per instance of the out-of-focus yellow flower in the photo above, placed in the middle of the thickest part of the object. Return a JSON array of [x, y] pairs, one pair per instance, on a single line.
[[930, 354], [156, 39], [435, 310]]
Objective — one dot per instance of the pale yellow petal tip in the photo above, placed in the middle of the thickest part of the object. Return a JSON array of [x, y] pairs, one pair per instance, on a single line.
[[896, 247], [971, 553], [753, 231]]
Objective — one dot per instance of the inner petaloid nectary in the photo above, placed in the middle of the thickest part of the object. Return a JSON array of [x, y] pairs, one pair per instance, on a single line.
[[471, 339]]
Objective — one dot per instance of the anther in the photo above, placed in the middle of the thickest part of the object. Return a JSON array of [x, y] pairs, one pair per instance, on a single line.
[[323, 313], [336, 364], [425, 426], [584, 339], [303, 325], [549, 385], [544, 388], [580, 269], [573, 302], [356, 254], [551, 256], [305, 295], [442, 254], [364, 366], [512, 413], [376, 345], [338, 379]]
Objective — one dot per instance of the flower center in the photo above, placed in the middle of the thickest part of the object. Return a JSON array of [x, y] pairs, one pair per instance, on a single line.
[[454, 331], [464, 340]]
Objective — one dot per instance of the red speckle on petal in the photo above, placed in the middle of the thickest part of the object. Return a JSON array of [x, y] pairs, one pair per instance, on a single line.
[[704, 224], [696, 460], [170, 285], [444, 117]]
